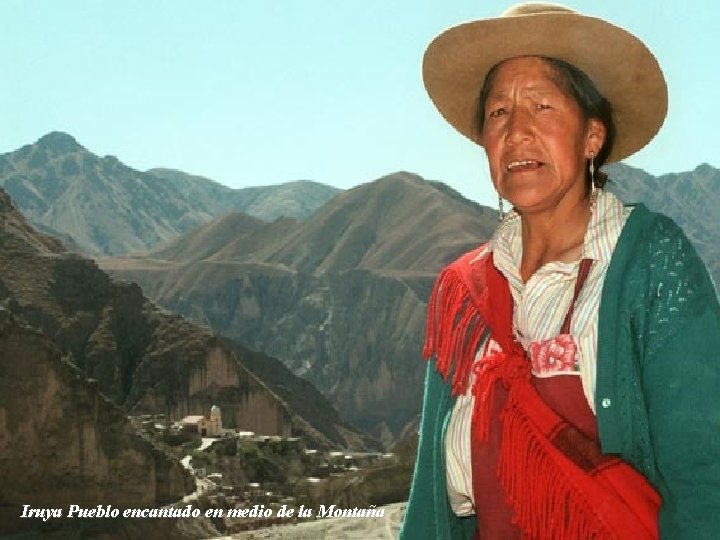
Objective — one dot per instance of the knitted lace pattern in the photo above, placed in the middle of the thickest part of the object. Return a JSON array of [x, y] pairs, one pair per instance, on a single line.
[[664, 288]]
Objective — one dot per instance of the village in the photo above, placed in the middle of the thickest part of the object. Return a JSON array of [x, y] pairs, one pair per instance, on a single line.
[[250, 475]]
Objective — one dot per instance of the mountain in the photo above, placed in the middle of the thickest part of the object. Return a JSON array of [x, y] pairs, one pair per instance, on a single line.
[[147, 360], [105, 207], [339, 298], [691, 198]]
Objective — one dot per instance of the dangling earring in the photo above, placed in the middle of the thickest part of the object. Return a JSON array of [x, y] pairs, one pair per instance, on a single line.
[[502, 209], [593, 186]]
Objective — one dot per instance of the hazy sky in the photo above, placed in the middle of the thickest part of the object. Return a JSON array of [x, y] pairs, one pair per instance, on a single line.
[[254, 92]]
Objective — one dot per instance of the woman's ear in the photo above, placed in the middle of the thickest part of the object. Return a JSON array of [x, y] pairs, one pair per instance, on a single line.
[[595, 137]]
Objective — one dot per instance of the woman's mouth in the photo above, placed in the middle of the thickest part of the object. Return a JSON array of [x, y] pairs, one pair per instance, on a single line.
[[523, 165]]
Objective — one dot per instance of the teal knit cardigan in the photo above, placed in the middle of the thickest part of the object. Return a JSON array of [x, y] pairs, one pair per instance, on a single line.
[[657, 390]]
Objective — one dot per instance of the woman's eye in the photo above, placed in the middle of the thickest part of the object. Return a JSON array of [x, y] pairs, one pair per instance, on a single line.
[[544, 106], [497, 112]]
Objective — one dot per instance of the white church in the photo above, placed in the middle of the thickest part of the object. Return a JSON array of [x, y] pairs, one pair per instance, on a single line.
[[206, 427]]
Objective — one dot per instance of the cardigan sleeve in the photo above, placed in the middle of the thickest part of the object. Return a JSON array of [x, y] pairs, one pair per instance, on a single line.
[[681, 385], [428, 515]]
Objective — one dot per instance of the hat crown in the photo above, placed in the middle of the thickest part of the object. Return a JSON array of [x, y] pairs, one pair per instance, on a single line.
[[536, 8]]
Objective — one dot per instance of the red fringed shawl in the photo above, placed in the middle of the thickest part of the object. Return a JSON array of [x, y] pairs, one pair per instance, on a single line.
[[558, 483]]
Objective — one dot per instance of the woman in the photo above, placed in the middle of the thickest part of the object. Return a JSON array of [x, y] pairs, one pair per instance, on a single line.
[[575, 387]]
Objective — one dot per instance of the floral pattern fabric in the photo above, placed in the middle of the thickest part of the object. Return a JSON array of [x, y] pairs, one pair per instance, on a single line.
[[555, 355]]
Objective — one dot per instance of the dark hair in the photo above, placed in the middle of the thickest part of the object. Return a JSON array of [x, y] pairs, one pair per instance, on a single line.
[[576, 84]]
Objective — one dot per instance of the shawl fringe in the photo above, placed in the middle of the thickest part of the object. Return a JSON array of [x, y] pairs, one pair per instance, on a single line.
[[611, 500], [455, 326]]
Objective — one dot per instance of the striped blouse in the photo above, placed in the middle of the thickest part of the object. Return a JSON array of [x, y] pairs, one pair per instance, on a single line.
[[540, 306]]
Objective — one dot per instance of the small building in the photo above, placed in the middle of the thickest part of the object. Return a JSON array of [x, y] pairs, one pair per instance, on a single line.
[[205, 427]]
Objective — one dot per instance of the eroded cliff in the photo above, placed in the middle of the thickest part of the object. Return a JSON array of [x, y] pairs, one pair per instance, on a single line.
[[63, 442]]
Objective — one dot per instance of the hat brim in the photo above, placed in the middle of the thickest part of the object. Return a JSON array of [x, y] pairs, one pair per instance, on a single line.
[[621, 66]]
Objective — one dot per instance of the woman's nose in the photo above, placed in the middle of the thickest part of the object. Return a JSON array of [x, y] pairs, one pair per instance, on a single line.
[[519, 126]]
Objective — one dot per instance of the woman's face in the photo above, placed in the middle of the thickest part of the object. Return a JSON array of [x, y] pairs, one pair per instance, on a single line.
[[536, 138]]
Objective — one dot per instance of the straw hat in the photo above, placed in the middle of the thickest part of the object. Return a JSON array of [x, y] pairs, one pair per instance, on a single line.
[[621, 66]]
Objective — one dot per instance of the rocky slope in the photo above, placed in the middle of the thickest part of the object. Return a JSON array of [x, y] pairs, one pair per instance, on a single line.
[[102, 206], [339, 298], [144, 359], [62, 441]]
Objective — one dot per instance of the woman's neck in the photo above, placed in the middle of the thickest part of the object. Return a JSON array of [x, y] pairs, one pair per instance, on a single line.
[[555, 235]]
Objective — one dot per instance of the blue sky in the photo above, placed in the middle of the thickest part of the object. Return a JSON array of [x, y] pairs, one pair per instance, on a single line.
[[257, 92]]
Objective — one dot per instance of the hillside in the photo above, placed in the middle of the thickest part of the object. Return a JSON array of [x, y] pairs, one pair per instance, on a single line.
[[144, 359], [339, 298]]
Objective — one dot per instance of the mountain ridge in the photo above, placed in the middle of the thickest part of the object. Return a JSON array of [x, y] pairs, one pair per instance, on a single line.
[[106, 207]]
